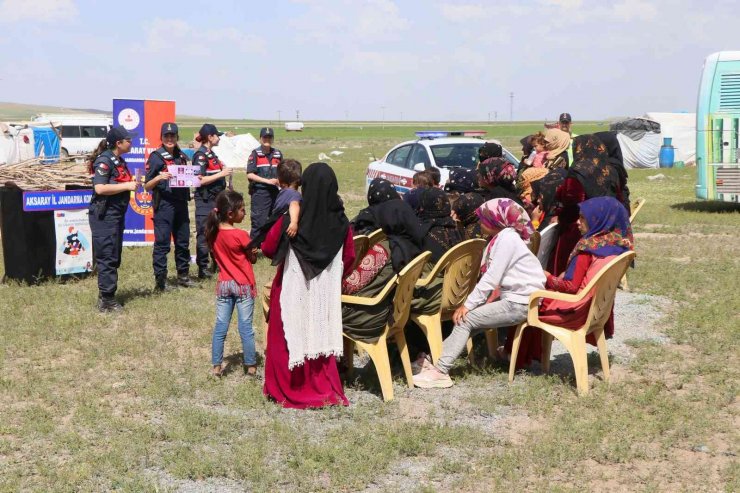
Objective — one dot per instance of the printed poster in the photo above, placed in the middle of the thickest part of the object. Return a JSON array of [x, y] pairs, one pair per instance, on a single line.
[[184, 176], [74, 253]]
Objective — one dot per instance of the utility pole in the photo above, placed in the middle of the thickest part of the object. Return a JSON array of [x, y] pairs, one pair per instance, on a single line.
[[495, 116], [297, 115], [402, 116], [511, 106], [278, 111], [489, 117]]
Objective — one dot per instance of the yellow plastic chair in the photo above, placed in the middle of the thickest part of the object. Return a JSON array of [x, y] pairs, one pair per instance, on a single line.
[[404, 292], [460, 267], [492, 334], [362, 245], [604, 288], [375, 237], [637, 206]]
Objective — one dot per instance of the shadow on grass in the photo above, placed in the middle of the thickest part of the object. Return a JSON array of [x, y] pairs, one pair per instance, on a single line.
[[710, 207]]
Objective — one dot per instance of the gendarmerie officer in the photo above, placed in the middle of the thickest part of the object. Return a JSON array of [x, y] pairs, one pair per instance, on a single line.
[[263, 182], [112, 187], [212, 182], [171, 217]]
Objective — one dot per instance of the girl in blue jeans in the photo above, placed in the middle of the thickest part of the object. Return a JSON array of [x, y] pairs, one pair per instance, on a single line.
[[235, 286]]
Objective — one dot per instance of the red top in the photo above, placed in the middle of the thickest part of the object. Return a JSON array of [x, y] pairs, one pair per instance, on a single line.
[[230, 251]]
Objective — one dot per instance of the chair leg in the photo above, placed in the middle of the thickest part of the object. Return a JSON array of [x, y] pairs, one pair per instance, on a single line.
[[379, 354], [623, 283], [403, 350], [471, 353], [431, 325], [349, 356], [515, 349], [546, 350], [580, 363], [492, 342], [603, 354]]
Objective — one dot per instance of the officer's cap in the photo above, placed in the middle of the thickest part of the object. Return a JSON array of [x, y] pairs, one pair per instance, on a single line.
[[169, 128], [117, 134], [267, 132], [209, 129], [565, 118]]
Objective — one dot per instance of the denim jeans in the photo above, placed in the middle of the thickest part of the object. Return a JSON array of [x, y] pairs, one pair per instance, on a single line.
[[224, 309]]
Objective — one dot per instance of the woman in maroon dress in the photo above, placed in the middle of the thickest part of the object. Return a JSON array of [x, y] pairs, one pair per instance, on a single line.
[[305, 332]]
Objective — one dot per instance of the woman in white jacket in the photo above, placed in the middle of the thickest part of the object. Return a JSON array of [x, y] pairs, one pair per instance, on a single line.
[[508, 269]]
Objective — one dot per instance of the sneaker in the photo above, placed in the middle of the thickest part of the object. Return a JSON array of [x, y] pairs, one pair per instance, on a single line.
[[421, 363], [432, 378], [205, 274], [184, 281], [109, 305]]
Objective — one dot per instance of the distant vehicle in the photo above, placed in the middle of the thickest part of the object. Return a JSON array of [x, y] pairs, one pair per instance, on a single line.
[[294, 126], [80, 134], [441, 149], [717, 114]]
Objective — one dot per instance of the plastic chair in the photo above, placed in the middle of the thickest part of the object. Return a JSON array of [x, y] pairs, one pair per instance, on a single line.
[[492, 334], [404, 292], [375, 237], [604, 288], [548, 239], [637, 206], [460, 267], [362, 245]]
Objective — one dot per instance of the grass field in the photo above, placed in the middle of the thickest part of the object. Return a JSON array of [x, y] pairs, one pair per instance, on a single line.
[[92, 402]]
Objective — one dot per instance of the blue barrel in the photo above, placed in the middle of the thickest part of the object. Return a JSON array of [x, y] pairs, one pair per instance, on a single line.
[[667, 153]]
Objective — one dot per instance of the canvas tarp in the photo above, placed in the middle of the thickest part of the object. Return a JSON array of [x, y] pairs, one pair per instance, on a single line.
[[640, 141], [16, 144], [681, 127]]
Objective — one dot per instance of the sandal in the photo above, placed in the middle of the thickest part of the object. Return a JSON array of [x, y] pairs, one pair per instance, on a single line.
[[217, 371]]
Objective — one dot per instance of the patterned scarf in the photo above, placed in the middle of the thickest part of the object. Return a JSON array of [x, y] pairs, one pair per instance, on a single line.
[[502, 214], [497, 171]]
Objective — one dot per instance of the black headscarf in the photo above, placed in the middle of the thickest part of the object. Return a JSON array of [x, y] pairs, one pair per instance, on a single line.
[[489, 150], [468, 220], [462, 180], [440, 229], [397, 220], [322, 225], [591, 167], [616, 162], [543, 194]]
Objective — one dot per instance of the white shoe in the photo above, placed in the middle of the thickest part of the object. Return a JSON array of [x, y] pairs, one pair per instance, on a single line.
[[432, 378], [421, 363]]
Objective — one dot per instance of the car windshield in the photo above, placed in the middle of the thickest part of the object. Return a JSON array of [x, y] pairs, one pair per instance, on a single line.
[[456, 155]]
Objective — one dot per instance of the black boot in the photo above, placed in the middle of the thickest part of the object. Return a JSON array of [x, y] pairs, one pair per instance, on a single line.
[[108, 304], [184, 281], [205, 273], [160, 283]]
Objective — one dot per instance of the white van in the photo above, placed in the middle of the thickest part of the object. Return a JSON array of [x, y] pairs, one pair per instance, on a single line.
[[80, 134]]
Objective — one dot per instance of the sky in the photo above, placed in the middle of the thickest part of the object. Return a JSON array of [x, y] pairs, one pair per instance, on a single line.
[[365, 59]]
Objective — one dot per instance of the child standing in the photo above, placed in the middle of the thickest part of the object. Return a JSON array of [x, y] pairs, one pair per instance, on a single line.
[[236, 285]]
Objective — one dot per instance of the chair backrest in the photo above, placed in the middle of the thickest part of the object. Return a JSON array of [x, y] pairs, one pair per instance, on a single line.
[[636, 208], [548, 239], [404, 294], [534, 242], [375, 237], [604, 286], [460, 267], [362, 245]]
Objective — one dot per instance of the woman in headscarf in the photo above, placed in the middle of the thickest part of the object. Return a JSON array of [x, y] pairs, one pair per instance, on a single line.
[[496, 176], [462, 180], [604, 224], [557, 144], [543, 196], [489, 150], [440, 230], [305, 321], [508, 268], [404, 240], [464, 213], [589, 177], [524, 184], [616, 162]]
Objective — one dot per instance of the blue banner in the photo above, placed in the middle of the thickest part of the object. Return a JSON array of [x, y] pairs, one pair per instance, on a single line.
[[52, 200]]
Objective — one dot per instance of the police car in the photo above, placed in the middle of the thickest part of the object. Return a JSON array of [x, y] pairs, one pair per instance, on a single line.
[[442, 149]]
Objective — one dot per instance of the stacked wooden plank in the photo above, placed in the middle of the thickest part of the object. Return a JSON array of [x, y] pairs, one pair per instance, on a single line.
[[32, 175]]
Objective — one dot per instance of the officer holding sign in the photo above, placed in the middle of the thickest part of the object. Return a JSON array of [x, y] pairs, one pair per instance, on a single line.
[[263, 182], [112, 187], [171, 217]]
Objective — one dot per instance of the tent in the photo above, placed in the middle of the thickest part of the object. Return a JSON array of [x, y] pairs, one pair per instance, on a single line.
[[234, 151], [640, 141], [16, 144], [681, 127], [46, 144]]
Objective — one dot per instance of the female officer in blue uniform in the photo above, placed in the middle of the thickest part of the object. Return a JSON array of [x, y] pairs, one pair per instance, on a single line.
[[112, 187], [212, 182], [171, 217]]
